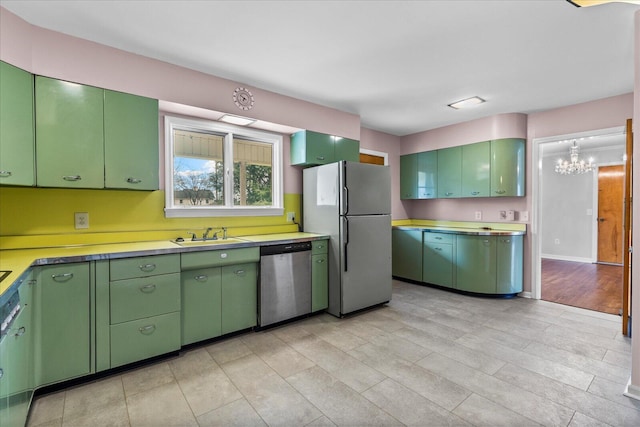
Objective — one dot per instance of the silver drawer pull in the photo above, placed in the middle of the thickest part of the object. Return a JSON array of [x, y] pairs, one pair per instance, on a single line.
[[134, 180], [62, 277], [320, 157], [501, 191], [147, 289], [147, 330], [21, 331], [201, 278], [448, 193], [320, 261], [486, 242], [240, 272], [147, 267], [506, 241], [438, 238], [438, 249], [320, 246], [475, 193], [5, 174], [1, 372], [72, 177]]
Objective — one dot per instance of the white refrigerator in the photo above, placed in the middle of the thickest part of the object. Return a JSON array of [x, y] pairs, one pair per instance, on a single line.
[[351, 202]]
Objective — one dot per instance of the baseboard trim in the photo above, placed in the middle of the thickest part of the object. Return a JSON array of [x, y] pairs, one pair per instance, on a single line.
[[567, 258], [632, 391], [525, 294]]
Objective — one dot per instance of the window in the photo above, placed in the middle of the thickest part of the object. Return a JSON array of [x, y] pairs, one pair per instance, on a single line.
[[215, 169]]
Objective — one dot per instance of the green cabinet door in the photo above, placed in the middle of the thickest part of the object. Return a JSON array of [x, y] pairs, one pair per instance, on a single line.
[[509, 265], [428, 175], [239, 297], [311, 148], [319, 282], [62, 323], [130, 141], [409, 176], [438, 265], [507, 167], [69, 134], [450, 172], [476, 264], [475, 169], [346, 149], [201, 304], [406, 254], [17, 150], [16, 363]]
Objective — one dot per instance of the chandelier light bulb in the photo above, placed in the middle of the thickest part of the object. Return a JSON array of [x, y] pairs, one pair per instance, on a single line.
[[574, 166]]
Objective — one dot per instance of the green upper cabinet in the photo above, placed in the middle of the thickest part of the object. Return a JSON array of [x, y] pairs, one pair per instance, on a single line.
[[130, 141], [427, 175], [507, 167], [450, 172], [17, 166], [69, 134], [475, 169], [310, 148], [409, 176]]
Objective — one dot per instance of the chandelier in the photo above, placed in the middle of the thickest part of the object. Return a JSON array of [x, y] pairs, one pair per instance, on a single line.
[[574, 166]]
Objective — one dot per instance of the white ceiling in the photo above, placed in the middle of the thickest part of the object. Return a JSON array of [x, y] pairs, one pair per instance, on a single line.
[[395, 63]]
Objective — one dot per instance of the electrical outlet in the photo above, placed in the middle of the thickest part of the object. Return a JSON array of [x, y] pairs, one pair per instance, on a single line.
[[524, 216], [556, 241], [291, 216], [511, 215], [503, 214], [81, 220], [478, 215]]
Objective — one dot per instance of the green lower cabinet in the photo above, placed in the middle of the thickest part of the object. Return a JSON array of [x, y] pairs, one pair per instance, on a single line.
[[510, 265], [144, 338], [201, 304], [16, 364], [144, 297], [476, 258], [62, 322], [406, 254], [319, 282], [239, 297], [438, 266]]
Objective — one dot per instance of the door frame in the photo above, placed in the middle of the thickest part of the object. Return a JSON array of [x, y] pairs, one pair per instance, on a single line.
[[596, 207], [536, 158]]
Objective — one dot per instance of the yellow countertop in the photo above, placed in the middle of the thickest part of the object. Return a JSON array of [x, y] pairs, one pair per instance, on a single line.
[[461, 227], [18, 261]]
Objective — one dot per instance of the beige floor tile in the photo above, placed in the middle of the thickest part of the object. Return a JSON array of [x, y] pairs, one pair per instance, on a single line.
[[277, 354], [238, 413], [98, 403], [228, 350], [163, 405], [612, 391], [581, 420], [145, 378], [483, 412], [47, 408], [323, 421]]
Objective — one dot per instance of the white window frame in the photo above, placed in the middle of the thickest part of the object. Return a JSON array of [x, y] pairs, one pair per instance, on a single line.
[[197, 125]]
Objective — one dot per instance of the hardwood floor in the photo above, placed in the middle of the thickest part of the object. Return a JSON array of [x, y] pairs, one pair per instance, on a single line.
[[592, 286]]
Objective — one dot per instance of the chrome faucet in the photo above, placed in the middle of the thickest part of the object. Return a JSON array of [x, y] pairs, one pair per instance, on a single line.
[[224, 233], [205, 235]]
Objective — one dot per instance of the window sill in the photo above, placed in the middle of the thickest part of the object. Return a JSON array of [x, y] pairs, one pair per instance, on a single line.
[[221, 211]]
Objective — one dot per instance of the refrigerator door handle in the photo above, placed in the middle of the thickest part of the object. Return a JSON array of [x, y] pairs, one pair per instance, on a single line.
[[345, 190], [346, 240]]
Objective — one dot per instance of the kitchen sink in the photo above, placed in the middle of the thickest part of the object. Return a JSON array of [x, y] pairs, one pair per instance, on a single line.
[[227, 241]]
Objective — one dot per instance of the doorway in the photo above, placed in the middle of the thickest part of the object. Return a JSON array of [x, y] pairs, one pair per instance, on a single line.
[[571, 264]]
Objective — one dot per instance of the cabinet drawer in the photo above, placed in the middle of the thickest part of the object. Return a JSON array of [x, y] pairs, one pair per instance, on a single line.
[[144, 338], [219, 258], [319, 247], [144, 297], [128, 268], [439, 237]]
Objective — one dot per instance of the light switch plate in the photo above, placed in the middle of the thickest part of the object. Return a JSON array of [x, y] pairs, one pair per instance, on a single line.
[[511, 216], [524, 216], [81, 220]]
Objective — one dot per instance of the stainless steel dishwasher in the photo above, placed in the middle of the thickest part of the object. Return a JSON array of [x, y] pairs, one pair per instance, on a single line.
[[285, 282]]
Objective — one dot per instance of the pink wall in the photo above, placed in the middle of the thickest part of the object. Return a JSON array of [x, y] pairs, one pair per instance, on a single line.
[[390, 144]]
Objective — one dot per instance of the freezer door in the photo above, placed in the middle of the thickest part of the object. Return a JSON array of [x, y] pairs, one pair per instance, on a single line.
[[365, 189], [365, 261]]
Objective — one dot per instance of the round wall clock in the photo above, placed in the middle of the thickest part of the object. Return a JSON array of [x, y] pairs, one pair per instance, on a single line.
[[243, 98]]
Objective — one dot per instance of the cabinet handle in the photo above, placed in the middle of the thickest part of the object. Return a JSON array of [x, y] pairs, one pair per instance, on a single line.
[[5, 174], [320, 261], [1, 372], [239, 272], [72, 177], [486, 242], [501, 191], [506, 241], [438, 249], [134, 180], [21, 331], [201, 278], [475, 193], [320, 158], [448, 193], [438, 238], [147, 267], [147, 330], [62, 277], [147, 289], [320, 246]]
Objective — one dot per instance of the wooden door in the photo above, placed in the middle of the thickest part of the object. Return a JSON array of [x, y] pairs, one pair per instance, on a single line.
[[610, 204]]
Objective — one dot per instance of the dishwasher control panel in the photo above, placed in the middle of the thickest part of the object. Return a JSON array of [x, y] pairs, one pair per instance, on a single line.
[[286, 248]]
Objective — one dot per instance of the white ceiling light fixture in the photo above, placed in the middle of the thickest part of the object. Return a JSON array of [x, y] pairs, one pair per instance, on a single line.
[[466, 103], [237, 120], [574, 166], [587, 3]]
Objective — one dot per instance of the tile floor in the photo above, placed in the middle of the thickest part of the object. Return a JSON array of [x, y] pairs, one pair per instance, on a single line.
[[429, 358]]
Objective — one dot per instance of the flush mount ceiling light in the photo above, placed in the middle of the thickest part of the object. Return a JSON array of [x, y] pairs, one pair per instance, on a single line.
[[586, 3], [574, 166], [466, 103], [236, 120]]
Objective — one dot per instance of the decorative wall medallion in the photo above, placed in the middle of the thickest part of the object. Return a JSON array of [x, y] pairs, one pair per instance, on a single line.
[[243, 98]]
